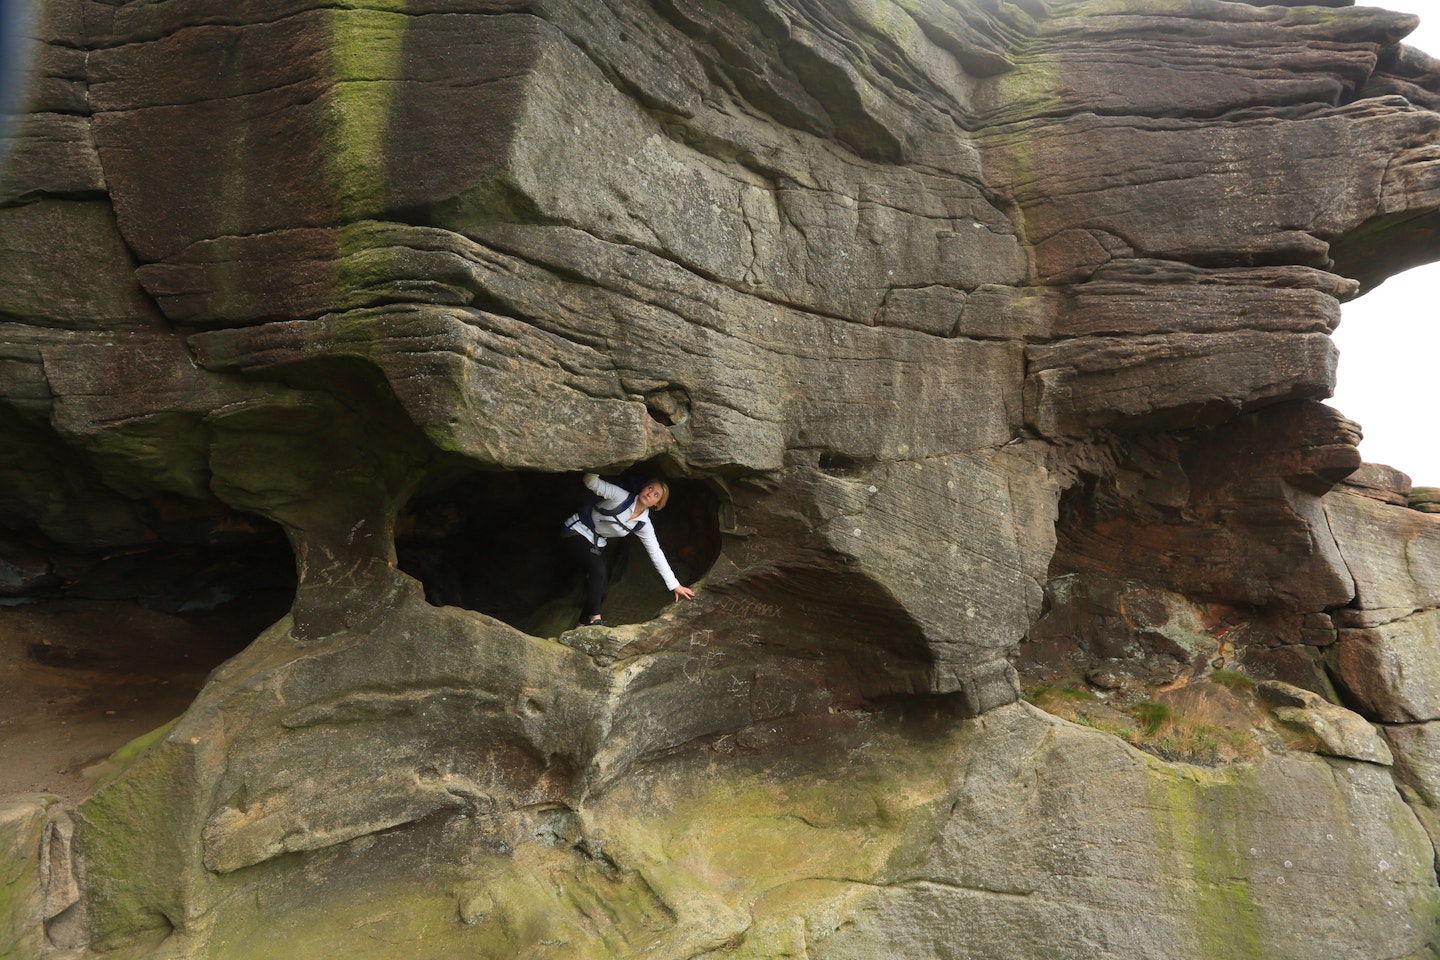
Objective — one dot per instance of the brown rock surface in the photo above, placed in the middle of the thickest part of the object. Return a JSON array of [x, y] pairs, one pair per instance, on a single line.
[[83, 678], [1380, 482], [984, 344], [1425, 499]]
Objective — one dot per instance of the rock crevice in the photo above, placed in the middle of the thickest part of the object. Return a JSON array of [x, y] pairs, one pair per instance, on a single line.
[[984, 346]]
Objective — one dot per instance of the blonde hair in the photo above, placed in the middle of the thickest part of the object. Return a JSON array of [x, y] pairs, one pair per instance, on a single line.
[[664, 492]]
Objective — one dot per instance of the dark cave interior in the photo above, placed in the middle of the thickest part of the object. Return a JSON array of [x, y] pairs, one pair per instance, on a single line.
[[490, 542]]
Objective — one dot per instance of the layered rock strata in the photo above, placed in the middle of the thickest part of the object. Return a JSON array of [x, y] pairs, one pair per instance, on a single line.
[[983, 342]]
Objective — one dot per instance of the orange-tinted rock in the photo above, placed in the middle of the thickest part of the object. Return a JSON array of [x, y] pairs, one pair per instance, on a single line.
[[973, 334]]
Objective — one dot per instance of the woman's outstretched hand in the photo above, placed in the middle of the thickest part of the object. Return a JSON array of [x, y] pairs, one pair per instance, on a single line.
[[683, 593]]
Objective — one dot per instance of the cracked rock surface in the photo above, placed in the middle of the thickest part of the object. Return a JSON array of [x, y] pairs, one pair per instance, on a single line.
[[983, 344]]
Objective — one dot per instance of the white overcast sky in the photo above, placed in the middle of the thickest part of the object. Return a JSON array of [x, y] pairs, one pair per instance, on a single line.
[[1389, 341]]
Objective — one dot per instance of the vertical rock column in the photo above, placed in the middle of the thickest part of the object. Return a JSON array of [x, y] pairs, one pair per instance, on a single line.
[[1387, 658]]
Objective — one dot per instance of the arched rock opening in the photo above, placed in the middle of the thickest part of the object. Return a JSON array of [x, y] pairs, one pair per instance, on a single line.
[[100, 646], [490, 542], [1194, 561]]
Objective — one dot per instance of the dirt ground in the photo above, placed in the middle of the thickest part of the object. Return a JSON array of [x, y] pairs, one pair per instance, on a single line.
[[80, 679]]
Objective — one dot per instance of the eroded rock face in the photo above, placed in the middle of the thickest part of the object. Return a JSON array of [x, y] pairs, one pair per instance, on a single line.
[[976, 336]]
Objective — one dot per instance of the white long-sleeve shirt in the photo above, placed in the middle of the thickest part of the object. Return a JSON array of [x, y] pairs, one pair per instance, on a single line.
[[609, 528]]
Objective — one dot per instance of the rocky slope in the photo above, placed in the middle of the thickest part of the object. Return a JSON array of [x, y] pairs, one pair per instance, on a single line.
[[984, 343]]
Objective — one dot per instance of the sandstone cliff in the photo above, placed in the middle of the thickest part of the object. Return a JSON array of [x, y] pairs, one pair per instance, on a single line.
[[1044, 610]]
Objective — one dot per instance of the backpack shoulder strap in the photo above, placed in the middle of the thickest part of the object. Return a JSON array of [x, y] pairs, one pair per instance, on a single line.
[[587, 515], [625, 505]]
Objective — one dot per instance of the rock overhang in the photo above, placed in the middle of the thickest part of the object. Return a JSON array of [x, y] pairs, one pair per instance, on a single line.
[[714, 318], [890, 283]]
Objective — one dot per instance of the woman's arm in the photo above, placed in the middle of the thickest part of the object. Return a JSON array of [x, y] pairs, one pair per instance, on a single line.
[[662, 566], [611, 495]]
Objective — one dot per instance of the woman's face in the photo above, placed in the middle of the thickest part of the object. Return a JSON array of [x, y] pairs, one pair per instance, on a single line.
[[650, 495]]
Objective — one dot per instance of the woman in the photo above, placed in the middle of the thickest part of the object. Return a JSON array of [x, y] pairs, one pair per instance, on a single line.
[[619, 513]]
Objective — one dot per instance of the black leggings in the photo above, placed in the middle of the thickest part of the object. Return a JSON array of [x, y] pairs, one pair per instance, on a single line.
[[590, 559]]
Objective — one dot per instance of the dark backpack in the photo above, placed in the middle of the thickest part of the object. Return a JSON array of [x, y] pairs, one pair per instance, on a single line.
[[590, 501]]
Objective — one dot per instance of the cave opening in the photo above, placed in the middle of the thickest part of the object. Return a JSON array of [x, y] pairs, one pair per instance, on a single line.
[[100, 646], [490, 542]]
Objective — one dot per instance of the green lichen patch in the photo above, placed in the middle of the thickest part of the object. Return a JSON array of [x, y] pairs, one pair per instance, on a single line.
[[23, 823], [1199, 818], [165, 451], [737, 844], [693, 853], [139, 838], [366, 65], [128, 755], [518, 884], [388, 6]]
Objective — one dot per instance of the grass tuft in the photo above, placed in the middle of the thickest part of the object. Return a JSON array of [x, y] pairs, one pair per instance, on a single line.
[[1152, 715], [1233, 679], [1204, 723], [1036, 695]]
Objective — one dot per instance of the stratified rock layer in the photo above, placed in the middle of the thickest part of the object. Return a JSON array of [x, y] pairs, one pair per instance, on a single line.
[[984, 343]]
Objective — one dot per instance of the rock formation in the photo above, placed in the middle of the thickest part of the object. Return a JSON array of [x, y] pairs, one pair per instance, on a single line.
[[984, 343]]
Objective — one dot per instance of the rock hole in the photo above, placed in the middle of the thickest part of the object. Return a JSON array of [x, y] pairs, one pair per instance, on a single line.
[[100, 646], [490, 542], [66, 930], [839, 465], [668, 405]]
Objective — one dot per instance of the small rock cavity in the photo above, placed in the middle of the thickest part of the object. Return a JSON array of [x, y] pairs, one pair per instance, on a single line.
[[490, 542]]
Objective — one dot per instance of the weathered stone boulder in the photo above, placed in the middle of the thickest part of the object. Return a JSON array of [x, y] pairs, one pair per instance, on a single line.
[[984, 344], [1425, 499], [1338, 732], [1379, 482], [1070, 844], [1386, 654], [38, 885], [1033, 837], [1393, 553], [1388, 668]]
